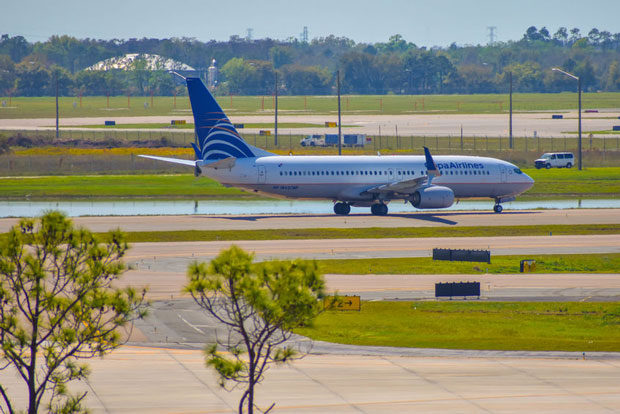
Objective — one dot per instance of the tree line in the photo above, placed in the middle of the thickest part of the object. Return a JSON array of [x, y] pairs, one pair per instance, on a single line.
[[249, 67]]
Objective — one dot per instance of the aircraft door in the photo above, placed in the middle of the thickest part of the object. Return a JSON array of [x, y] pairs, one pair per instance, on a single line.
[[390, 175], [503, 173], [262, 174]]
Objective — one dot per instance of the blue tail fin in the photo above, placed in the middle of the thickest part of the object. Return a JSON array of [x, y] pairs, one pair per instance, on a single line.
[[217, 137]]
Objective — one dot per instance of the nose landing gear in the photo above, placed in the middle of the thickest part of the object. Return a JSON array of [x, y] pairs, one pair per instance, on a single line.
[[498, 208], [342, 209]]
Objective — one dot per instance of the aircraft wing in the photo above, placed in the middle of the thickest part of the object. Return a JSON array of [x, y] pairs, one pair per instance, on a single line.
[[404, 187], [172, 160]]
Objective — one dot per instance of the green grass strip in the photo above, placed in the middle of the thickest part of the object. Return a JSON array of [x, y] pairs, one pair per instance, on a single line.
[[549, 326], [372, 233], [266, 125], [565, 263], [554, 183]]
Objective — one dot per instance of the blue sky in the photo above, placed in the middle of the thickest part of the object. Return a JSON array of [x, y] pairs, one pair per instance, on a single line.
[[426, 23]]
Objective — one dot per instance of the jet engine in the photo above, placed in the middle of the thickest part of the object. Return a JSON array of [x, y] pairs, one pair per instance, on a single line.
[[433, 197]]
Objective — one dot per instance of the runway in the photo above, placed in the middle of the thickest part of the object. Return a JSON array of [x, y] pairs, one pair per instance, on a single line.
[[480, 125], [289, 221]]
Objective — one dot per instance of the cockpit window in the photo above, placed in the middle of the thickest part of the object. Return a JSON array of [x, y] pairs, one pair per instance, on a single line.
[[518, 171]]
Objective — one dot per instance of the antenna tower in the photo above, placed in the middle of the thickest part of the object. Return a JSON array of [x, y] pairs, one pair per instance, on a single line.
[[249, 31], [304, 35], [491, 30]]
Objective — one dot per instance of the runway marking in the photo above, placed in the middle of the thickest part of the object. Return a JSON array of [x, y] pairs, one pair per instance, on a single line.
[[190, 325]]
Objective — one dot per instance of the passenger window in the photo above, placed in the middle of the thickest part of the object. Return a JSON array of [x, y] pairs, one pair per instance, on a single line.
[[561, 156]]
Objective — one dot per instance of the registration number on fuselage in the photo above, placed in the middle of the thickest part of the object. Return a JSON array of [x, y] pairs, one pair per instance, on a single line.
[[285, 187]]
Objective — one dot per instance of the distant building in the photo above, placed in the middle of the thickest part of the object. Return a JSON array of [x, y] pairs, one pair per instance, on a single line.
[[153, 62], [212, 74]]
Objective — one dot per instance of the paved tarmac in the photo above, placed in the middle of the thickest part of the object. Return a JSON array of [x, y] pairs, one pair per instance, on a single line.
[[150, 380], [296, 221], [492, 125], [176, 256]]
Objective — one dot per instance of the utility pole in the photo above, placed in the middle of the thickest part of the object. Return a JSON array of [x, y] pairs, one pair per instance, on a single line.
[[57, 131], [276, 110], [579, 86], [510, 123], [578, 79], [339, 125]]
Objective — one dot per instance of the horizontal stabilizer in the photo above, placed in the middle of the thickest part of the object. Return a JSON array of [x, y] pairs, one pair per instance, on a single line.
[[172, 160]]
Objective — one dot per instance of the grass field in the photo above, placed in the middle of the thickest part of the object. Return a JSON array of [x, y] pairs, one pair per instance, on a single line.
[[550, 326], [372, 233], [554, 183], [44, 107], [108, 187], [572, 263]]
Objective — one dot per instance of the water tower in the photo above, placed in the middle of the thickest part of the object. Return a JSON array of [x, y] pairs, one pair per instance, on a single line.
[[212, 72]]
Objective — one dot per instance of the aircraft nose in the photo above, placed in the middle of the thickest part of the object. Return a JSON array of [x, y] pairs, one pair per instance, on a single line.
[[529, 180]]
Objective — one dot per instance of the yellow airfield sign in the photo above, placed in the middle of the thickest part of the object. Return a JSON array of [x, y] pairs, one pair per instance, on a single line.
[[343, 303]]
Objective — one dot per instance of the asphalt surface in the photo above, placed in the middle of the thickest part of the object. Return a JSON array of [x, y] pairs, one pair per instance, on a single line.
[[152, 380], [176, 256], [164, 370], [480, 125], [290, 221]]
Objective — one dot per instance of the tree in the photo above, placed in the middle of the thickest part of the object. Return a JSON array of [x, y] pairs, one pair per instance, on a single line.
[[140, 74], [59, 307], [612, 82], [306, 80], [17, 47], [33, 78], [280, 56], [7, 74], [260, 304], [561, 36]]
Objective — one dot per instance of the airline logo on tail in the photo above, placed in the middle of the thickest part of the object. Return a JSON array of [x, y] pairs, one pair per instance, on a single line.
[[217, 137]]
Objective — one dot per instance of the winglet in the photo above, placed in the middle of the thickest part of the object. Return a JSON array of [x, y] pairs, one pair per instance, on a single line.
[[430, 165]]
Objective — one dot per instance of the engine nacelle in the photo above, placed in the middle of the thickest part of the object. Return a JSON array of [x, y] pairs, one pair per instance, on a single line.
[[434, 196]]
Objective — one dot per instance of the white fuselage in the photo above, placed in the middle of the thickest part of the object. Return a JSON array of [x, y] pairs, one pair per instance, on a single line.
[[346, 178]]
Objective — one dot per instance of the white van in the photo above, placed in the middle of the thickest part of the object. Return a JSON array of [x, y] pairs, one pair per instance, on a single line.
[[555, 159]]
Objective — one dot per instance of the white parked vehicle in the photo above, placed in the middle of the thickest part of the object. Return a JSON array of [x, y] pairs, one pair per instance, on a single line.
[[313, 141], [555, 159]]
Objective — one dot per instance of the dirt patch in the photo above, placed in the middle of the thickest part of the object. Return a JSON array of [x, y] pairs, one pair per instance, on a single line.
[[29, 141]]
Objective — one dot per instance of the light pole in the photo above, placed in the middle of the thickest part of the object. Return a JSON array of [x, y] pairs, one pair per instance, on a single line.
[[578, 79], [276, 112], [339, 118], [510, 116]]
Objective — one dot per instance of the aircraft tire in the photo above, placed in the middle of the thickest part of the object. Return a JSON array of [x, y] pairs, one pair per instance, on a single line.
[[379, 209], [498, 208], [342, 209]]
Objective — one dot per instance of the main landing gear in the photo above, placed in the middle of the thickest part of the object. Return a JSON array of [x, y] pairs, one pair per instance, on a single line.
[[498, 208], [342, 209], [379, 209]]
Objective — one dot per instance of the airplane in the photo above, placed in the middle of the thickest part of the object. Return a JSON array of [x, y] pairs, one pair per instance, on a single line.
[[427, 182]]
